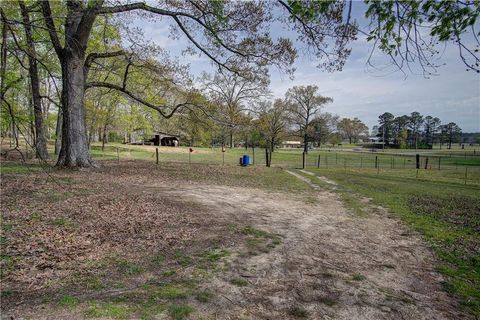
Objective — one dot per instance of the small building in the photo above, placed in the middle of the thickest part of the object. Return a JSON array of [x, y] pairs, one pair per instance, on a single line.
[[165, 139], [157, 139], [292, 144]]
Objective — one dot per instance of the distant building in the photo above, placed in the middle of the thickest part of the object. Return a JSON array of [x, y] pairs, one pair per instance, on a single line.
[[157, 139], [292, 144]]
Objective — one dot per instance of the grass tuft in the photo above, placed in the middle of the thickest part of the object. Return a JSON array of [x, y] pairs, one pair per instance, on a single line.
[[239, 282], [179, 311], [298, 312]]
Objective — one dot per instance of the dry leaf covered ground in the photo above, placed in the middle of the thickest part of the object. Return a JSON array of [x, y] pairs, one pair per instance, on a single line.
[[133, 240]]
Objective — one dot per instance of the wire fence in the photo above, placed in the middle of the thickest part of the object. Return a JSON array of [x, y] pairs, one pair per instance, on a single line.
[[435, 165]]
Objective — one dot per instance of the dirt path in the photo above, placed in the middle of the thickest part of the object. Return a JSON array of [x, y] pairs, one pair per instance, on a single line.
[[331, 264]]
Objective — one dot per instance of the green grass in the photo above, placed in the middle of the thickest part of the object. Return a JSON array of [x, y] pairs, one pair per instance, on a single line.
[[298, 312], [327, 301], [453, 161], [239, 282], [21, 168], [108, 310], [259, 240], [213, 256], [93, 282], [183, 259], [169, 273], [158, 259], [68, 301], [203, 296], [440, 208], [179, 311], [128, 267], [358, 277], [171, 291]]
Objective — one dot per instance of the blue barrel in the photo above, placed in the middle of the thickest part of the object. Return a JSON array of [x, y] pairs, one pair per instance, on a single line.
[[245, 160]]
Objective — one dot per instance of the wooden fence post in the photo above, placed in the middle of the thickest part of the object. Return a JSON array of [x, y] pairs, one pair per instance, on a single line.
[[376, 162], [318, 162], [417, 160], [439, 160], [267, 163], [304, 159], [426, 163], [156, 154]]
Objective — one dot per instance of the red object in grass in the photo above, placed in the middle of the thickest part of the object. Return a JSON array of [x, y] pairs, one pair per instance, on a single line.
[[191, 150]]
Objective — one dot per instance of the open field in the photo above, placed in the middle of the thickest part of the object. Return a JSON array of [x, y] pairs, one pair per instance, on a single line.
[[292, 158], [132, 239]]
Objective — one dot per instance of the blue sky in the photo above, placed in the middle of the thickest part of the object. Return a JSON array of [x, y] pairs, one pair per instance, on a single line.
[[452, 95]]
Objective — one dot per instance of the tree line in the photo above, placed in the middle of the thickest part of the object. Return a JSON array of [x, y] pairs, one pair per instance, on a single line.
[[74, 70], [415, 131]]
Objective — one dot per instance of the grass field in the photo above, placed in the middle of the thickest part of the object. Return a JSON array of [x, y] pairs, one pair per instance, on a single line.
[[446, 167]]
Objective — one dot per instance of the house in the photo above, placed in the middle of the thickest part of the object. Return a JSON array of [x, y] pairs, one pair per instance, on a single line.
[[157, 139], [292, 144]]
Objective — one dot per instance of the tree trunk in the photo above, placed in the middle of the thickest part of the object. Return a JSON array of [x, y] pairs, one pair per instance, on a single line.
[[305, 143], [231, 139], [40, 133], [58, 132], [74, 152]]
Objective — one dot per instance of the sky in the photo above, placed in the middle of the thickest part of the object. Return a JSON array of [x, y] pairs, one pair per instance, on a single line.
[[453, 95]]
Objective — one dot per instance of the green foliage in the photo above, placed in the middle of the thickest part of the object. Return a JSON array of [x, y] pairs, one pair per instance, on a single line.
[[396, 24], [309, 10]]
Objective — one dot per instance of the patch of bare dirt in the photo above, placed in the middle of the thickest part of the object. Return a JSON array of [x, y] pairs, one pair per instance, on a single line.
[[331, 264]]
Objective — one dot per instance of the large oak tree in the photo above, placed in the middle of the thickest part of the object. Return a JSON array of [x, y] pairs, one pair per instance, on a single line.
[[231, 34]]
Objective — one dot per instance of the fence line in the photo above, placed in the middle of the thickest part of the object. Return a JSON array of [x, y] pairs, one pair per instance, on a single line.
[[315, 159]]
